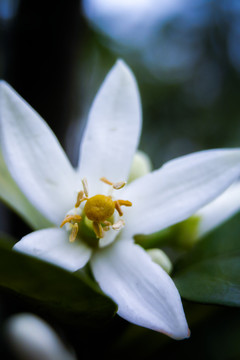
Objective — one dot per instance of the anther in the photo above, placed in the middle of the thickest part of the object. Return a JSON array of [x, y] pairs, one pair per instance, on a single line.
[[119, 203], [80, 198], [74, 232], [116, 186], [118, 207], [107, 225], [107, 228], [85, 186], [118, 225], [119, 185], [124, 203], [97, 227], [70, 218]]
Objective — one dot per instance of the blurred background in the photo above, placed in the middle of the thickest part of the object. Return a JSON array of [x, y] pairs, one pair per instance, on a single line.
[[186, 58]]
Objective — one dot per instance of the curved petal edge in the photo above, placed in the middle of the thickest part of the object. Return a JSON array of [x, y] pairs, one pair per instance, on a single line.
[[53, 245]]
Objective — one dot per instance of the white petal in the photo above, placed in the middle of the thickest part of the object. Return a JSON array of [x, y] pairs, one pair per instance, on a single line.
[[111, 234], [178, 189], [113, 129], [12, 196], [219, 210], [53, 245], [109, 237], [145, 294], [34, 157], [32, 338]]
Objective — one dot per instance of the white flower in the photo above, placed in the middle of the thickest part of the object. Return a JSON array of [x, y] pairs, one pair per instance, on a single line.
[[32, 338], [145, 294]]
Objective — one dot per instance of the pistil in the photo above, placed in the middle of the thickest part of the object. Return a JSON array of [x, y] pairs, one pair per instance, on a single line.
[[99, 209]]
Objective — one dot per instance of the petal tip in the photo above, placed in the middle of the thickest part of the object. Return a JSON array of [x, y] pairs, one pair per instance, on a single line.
[[3, 83], [122, 67], [5, 87], [181, 336], [121, 64]]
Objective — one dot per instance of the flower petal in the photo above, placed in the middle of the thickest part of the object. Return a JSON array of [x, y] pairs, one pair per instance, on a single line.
[[219, 210], [53, 245], [178, 189], [34, 157], [109, 237], [12, 196], [32, 338], [113, 129], [145, 294]]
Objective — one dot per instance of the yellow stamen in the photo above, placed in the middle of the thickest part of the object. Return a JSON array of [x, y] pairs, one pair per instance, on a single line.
[[106, 181], [116, 186], [124, 203], [119, 203], [70, 218], [98, 210], [118, 208], [80, 198], [74, 232], [98, 229]]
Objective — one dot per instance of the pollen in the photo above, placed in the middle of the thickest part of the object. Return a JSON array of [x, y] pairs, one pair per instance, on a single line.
[[99, 208]]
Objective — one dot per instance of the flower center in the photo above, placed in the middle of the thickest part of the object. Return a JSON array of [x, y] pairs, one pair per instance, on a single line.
[[99, 208], [98, 212]]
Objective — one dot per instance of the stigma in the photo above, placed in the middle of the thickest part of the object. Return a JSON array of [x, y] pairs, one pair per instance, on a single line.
[[99, 208], [99, 211]]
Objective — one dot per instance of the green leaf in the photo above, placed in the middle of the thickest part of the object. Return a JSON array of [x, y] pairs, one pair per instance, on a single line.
[[71, 297], [209, 273]]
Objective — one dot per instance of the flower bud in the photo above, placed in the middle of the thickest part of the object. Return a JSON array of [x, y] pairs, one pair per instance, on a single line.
[[160, 258], [141, 165], [32, 338]]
